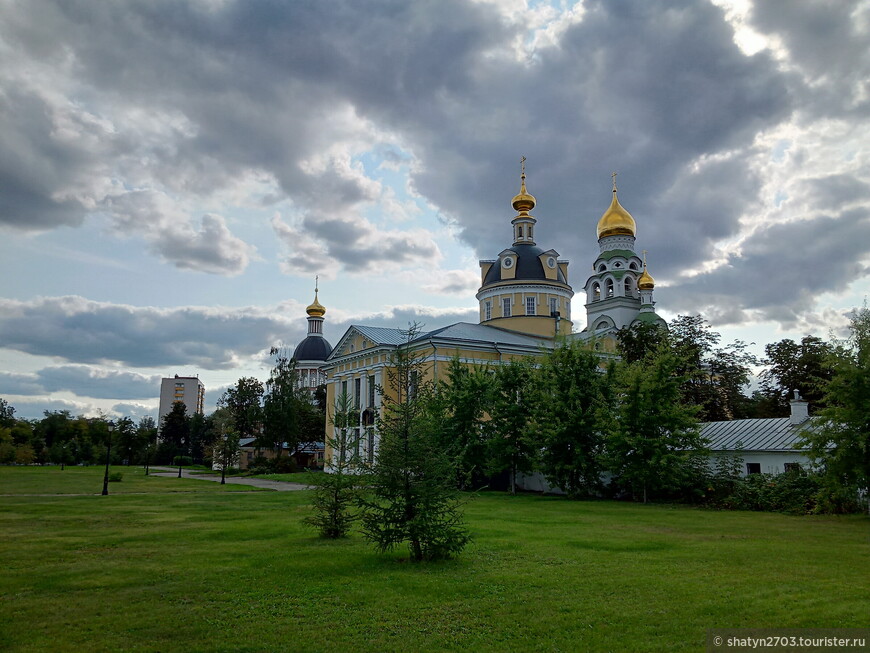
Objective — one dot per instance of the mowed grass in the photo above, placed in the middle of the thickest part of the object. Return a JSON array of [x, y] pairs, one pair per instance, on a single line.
[[89, 480], [230, 571]]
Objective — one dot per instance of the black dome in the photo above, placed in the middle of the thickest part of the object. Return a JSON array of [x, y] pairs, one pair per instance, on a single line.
[[529, 266], [313, 348]]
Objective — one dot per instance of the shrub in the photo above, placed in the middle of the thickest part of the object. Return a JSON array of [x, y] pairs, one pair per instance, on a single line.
[[115, 477], [183, 461], [793, 492]]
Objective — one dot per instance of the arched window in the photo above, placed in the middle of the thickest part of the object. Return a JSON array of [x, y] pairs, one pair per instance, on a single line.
[[633, 265], [596, 292], [629, 287], [608, 288], [602, 267]]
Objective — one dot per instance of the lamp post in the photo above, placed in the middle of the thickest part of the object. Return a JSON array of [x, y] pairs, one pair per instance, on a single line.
[[110, 427], [62, 455]]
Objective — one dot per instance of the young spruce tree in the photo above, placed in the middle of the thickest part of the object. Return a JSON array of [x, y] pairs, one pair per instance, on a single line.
[[413, 496], [336, 492]]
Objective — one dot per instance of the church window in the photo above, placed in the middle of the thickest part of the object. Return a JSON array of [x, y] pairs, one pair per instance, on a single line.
[[617, 264], [602, 325], [531, 305], [596, 292], [554, 305], [633, 265], [628, 287], [506, 307], [487, 310], [530, 232], [602, 267], [608, 288]]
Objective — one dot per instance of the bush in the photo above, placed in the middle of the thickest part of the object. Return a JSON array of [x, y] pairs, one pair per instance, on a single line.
[[182, 461], [115, 477], [263, 465], [795, 492]]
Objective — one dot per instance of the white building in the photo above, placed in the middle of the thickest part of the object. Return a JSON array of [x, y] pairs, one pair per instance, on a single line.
[[189, 390], [767, 446]]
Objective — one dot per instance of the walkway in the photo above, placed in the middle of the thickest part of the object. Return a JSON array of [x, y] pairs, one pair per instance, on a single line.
[[280, 486]]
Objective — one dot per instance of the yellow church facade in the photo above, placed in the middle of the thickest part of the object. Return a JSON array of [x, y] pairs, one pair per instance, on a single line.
[[525, 309]]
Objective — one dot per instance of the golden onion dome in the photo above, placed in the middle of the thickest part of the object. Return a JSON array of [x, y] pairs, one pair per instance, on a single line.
[[316, 309], [523, 201], [616, 221], [645, 280]]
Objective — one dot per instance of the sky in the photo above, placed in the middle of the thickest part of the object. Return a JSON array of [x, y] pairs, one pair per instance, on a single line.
[[173, 175]]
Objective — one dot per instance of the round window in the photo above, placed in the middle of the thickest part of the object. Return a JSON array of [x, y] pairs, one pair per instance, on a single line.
[[507, 262], [551, 262]]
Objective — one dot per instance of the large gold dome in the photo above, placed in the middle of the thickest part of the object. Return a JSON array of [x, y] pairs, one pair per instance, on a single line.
[[616, 221]]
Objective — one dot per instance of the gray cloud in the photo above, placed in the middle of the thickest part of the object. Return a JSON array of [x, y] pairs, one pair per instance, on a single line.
[[146, 111], [84, 331], [782, 270]]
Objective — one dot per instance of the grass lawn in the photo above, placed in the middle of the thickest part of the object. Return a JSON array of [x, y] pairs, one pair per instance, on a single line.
[[218, 570]]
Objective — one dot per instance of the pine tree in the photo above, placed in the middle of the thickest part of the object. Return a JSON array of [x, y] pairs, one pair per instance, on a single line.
[[413, 497]]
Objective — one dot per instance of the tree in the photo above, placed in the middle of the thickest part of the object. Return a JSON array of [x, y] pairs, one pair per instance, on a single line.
[[458, 408], [243, 402], [803, 366], [511, 443], [146, 436], [567, 415], [283, 405], [336, 492], [413, 496], [651, 434], [7, 413], [634, 342], [174, 434], [840, 441], [225, 452]]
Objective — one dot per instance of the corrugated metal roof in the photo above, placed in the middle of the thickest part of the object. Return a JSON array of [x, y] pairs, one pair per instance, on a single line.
[[773, 434], [484, 333], [383, 335]]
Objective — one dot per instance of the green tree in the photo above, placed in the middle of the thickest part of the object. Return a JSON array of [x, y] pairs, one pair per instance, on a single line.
[[224, 451], [284, 405], [7, 413], [412, 498], [337, 491], [146, 437], [651, 435], [244, 403], [174, 433], [458, 409], [840, 439], [126, 442], [804, 366], [567, 412], [634, 342], [511, 443]]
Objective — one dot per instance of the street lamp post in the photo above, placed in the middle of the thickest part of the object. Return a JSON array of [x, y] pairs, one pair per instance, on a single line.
[[111, 427]]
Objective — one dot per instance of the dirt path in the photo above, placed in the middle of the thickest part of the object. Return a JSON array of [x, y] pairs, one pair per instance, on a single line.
[[280, 486]]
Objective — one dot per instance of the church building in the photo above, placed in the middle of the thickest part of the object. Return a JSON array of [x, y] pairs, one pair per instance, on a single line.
[[525, 309]]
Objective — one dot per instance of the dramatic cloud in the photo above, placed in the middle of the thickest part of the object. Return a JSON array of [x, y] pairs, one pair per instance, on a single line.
[[358, 126]]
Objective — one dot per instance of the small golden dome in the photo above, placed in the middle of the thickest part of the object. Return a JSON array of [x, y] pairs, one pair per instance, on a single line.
[[645, 280], [616, 221], [316, 309], [523, 202]]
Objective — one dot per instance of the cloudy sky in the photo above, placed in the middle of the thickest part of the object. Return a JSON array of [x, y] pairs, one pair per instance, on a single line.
[[173, 175]]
